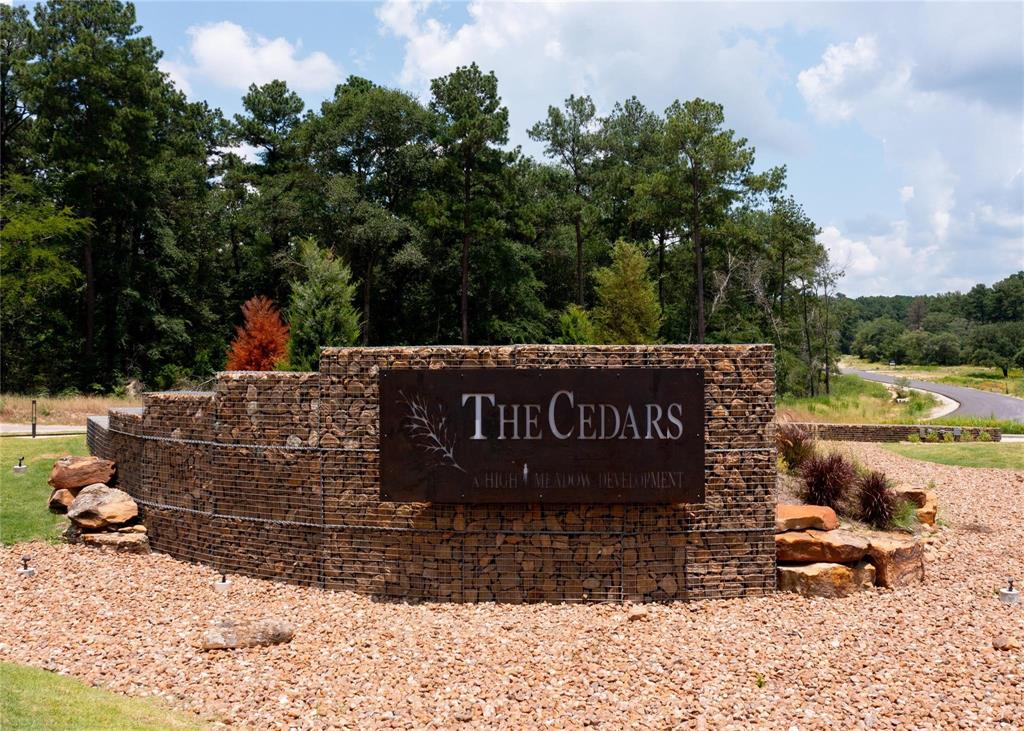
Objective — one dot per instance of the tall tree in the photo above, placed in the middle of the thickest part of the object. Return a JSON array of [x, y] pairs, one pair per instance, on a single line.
[[471, 121], [15, 53], [36, 277], [320, 312], [571, 138], [711, 166], [114, 139], [627, 309], [370, 146]]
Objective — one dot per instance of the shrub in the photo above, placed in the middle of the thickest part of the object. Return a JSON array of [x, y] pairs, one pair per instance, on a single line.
[[947, 436], [827, 480], [262, 341], [320, 310], [876, 501], [914, 438], [627, 310], [984, 436], [575, 327], [795, 444], [904, 515]]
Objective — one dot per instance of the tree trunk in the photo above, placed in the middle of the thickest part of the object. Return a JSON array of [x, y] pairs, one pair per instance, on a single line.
[[579, 261], [698, 260], [466, 179], [90, 305], [782, 289], [661, 270], [828, 368], [367, 288], [810, 354]]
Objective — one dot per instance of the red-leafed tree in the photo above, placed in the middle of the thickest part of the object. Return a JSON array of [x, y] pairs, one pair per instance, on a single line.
[[262, 341]]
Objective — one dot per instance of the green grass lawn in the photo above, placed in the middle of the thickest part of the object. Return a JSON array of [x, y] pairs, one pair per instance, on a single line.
[[23, 513], [984, 378], [973, 454], [856, 400], [37, 699]]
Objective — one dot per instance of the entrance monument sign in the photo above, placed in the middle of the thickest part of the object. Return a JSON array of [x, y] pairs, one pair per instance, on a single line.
[[570, 435]]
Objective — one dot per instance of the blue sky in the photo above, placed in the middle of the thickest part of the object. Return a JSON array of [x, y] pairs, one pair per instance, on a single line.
[[902, 125]]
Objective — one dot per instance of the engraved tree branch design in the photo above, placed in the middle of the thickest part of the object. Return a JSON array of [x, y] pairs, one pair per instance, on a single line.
[[429, 432]]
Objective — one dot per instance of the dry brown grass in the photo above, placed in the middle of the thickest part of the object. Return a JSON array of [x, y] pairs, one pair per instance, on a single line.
[[71, 410]]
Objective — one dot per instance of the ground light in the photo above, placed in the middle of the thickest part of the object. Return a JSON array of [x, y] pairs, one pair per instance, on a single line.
[[1009, 595], [221, 586], [26, 570], [21, 467]]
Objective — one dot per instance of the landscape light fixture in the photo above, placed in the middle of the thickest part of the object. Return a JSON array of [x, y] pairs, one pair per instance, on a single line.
[[26, 571], [1009, 595], [21, 467], [221, 586]]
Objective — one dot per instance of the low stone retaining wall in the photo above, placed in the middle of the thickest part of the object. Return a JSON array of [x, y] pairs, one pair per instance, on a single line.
[[276, 475], [893, 432]]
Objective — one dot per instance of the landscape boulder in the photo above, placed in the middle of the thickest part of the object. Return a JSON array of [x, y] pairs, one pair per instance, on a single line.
[[826, 579], [117, 542], [915, 495], [927, 513], [60, 500], [230, 634], [97, 507], [898, 560], [833, 546], [804, 517], [77, 472], [926, 502]]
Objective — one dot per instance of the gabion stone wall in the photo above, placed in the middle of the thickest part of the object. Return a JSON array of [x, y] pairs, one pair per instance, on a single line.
[[276, 475], [895, 432]]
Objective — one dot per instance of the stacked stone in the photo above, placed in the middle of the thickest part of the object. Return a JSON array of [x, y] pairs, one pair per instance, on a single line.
[[277, 475], [100, 515], [818, 558], [891, 432]]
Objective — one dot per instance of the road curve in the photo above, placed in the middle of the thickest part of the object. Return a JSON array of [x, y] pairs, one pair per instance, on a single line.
[[973, 401]]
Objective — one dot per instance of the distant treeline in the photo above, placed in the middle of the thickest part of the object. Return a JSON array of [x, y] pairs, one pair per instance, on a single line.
[[985, 326], [133, 232]]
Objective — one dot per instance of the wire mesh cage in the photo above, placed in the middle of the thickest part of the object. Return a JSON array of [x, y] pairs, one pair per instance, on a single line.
[[276, 475]]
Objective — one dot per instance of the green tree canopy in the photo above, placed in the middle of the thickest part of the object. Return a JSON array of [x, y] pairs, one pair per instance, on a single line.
[[320, 312], [627, 309]]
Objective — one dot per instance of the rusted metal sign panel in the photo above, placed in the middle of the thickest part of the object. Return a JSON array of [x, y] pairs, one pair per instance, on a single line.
[[567, 435]]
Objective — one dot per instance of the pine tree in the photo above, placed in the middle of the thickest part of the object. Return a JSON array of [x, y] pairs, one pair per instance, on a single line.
[[627, 309], [320, 312], [262, 341]]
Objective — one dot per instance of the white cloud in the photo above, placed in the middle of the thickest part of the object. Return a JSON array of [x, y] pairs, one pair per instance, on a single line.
[[543, 52], [959, 153], [231, 56], [827, 87]]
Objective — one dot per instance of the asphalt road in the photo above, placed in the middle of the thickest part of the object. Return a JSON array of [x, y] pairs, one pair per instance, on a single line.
[[973, 401]]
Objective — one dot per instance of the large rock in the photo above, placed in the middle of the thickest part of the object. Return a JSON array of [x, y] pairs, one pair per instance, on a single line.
[[927, 513], [915, 495], [835, 546], [926, 502], [826, 579], [898, 560], [60, 500], [117, 542], [99, 506], [229, 634], [77, 472], [804, 517]]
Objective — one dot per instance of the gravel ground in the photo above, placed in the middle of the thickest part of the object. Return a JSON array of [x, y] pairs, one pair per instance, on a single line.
[[920, 657]]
